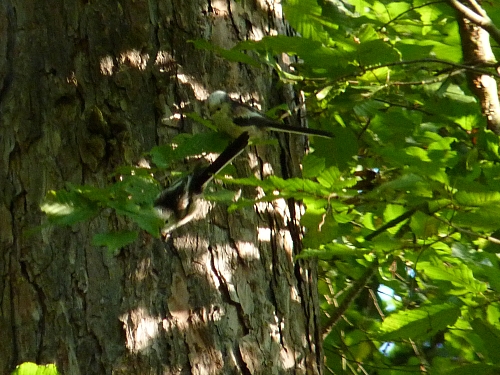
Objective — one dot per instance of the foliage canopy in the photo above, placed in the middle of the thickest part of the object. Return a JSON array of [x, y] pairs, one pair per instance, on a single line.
[[407, 202]]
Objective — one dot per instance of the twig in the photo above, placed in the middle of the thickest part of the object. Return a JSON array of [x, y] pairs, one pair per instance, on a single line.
[[392, 223], [469, 232], [410, 10], [350, 297], [481, 19], [437, 61]]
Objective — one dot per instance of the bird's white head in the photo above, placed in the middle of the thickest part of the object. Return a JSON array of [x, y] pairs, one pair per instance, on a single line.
[[216, 99]]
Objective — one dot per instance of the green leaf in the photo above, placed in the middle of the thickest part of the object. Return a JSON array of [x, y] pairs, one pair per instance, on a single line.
[[224, 196], [490, 336], [312, 166], [424, 225], [484, 218], [30, 368], [114, 240], [339, 151], [197, 118], [305, 17], [405, 182], [375, 52], [419, 323], [68, 207], [330, 177], [459, 274], [478, 199], [146, 218]]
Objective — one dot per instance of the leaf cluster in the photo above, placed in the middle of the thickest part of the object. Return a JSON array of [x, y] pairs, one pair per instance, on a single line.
[[402, 208], [130, 193]]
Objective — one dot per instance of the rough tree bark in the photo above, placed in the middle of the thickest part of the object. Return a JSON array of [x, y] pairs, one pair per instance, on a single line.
[[477, 50], [86, 86]]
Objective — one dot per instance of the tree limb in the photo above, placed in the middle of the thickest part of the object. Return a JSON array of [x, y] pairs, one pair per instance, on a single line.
[[481, 19], [475, 30], [353, 292]]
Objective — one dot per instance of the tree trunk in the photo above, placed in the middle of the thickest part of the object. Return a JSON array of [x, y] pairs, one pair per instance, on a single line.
[[86, 87], [477, 50]]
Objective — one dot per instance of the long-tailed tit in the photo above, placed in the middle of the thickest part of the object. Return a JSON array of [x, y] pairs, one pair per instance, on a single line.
[[235, 118], [178, 203]]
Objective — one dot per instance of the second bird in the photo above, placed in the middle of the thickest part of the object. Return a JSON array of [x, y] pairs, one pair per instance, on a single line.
[[234, 118]]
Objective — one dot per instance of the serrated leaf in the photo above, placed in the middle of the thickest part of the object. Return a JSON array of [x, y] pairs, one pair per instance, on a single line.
[[419, 323], [305, 17], [339, 151], [458, 274], [375, 52], [344, 217], [141, 190], [484, 218], [393, 211], [68, 208], [330, 177], [333, 179], [292, 187], [478, 198], [424, 225]]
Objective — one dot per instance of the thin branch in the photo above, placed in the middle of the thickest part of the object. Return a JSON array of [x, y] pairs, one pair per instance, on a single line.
[[422, 82], [477, 8], [424, 364], [466, 231], [411, 10], [482, 21], [407, 106], [471, 68], [460, 67], [353, 292], [392, 223], [468, 13], [375, 303]]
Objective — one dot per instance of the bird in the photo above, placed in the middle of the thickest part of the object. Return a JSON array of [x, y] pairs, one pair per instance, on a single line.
[[178, 203], [234, 118]]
